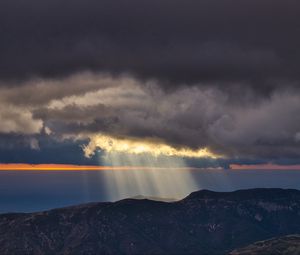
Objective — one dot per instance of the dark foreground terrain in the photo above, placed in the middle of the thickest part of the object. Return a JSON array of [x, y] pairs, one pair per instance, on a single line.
[[205, 222], [286, 245]]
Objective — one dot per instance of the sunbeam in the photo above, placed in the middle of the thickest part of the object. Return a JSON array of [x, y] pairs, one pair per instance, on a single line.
[[170, 180]]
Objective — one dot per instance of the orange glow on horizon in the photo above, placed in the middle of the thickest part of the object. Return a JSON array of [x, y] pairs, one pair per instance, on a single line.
[[64, 167], [268, 166], [70, 167]]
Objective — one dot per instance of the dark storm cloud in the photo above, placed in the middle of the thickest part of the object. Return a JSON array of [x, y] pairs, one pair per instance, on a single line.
[[253, 41], [194, 117], [40, 149], [191, 116]]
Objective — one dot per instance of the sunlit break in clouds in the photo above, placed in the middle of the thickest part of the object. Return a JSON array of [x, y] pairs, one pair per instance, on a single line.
[[135, 146], [165, 175]]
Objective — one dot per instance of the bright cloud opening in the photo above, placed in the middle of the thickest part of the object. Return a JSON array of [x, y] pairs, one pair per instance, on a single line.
[[137, 146]]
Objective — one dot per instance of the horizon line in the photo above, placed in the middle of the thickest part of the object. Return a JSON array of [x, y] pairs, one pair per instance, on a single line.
[[266, 166], [75, 167]]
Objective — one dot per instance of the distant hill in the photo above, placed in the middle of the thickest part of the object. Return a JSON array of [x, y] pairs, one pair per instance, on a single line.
[[205, 222], [286, 245], [162, 199]]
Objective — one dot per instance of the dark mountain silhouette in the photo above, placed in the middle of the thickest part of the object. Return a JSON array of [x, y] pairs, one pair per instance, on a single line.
[[286, 245], [161, 199], [205, 222]]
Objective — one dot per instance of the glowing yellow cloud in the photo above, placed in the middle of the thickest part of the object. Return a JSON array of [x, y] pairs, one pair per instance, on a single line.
[[137, 146]]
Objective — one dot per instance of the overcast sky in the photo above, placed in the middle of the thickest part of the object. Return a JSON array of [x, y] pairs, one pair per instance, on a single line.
[[214, 74]]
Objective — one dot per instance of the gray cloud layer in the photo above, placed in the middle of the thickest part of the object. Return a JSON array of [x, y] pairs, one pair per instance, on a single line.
[[193, 116], [252, 41]]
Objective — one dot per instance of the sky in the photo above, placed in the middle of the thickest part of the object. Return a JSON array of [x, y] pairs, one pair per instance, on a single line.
[[106, 99], [28, 191], [213, 83]]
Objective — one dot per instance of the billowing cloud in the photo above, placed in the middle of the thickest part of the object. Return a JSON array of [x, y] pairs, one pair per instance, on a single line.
[[17, 120], [189, 117]]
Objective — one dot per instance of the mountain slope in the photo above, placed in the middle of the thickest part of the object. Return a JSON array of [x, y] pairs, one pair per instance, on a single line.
[[161, 199], [205, 222], [286, 245]]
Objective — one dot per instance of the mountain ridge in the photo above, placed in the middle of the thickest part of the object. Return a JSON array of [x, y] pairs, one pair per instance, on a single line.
[[283, 245], [205, 222]]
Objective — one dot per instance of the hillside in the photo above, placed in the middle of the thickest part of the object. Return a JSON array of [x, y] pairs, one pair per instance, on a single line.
[[204, 222], [286, 245]]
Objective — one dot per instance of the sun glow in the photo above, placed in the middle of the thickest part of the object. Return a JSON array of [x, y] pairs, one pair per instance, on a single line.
[[136, 146]]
